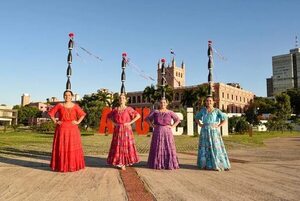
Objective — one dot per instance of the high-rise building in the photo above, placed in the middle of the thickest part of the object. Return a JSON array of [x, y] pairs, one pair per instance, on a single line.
[[286, 72], [25, 99]]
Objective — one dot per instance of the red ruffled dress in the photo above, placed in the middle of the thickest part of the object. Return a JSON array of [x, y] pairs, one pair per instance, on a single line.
[[122, 150], [67, 153]]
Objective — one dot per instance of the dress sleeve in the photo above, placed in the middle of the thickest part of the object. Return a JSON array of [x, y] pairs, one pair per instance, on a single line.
[[150, 117], [132, 112], [110, 115], [79, 111], [221, 116], [175, 117], [199, 115], [53, 111]]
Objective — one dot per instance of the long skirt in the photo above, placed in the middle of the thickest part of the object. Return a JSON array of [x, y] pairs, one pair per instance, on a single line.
[[162, 150], [122, 149], [67, 153], [212, 153]]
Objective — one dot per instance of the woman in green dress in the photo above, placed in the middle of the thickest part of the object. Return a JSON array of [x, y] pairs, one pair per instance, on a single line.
[[211, 153]]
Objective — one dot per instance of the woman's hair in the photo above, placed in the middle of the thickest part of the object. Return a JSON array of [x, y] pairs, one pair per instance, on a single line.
[[163, 98], [68, 91], [123, 94], [209, 96]]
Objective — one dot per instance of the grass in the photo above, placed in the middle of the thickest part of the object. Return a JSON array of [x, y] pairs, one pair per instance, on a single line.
[[233, 141], [95, 144]]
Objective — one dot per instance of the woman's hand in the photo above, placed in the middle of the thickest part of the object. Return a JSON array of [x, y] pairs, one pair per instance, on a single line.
[[74, 122], [215, 126], [128, 125], [170, 126], [58, 122]]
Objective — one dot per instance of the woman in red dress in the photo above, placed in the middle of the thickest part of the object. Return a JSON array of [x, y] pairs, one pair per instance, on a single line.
[[67, 153], [122, 150]]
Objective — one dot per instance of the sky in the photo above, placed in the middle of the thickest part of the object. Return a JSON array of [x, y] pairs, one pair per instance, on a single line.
[[34, 38]]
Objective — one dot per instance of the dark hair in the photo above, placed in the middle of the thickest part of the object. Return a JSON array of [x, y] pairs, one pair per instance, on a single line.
[[68, 91], [163, 98]]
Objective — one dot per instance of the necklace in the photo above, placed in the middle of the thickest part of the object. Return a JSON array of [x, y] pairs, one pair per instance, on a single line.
[[121, 109]]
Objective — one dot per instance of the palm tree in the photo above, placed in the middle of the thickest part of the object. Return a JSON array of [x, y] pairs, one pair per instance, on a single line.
[[201, 92], [115, 102], [169, 93], [105, 97], [189, 98], [149, 94]]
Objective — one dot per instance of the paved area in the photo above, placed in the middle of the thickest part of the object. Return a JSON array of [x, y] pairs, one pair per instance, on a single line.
[[268, 173]]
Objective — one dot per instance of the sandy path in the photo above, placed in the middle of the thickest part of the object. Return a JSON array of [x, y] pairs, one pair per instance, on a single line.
[[269, 173], [31, 179]]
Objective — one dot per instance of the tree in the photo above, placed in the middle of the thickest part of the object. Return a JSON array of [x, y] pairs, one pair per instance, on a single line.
[[149, 93], [238, 125], [259, 106], [294, 95], [242, 126], [283, 110], [168, 91], [25, 113], [115, 102], [232, 121], [152, 94], [105, 97], [93, 106], [189, 98], [201, 93]]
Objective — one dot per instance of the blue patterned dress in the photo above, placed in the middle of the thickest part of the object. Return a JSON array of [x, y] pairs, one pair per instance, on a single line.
[[211, 153]]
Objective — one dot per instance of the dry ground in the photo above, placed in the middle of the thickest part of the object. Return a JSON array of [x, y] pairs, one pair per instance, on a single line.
[[268, 173]]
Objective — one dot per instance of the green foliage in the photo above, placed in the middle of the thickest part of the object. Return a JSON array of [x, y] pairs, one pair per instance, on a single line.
[[115, 102], [279, 120], [168, 90], [242, 126], [195, 97], [45, 127], [149, 94], [189, 98], [153, 94], [238, 125], [27, 112], [259, 106], [294, 95], [183, 122], [92, 105], [232, 123]]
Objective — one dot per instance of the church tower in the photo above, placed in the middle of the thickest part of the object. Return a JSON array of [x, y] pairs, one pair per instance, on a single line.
[[175, 76]]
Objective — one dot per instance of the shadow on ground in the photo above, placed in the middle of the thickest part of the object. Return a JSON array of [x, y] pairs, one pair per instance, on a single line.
[[40, 159]]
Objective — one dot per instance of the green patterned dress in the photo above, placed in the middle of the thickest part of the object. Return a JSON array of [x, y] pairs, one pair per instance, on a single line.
[[212, 154]]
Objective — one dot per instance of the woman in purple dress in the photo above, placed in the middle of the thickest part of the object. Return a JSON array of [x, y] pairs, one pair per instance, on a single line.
[[162, 150]]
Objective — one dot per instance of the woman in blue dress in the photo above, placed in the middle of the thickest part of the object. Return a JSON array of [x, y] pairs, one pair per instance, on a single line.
[[211, 153]]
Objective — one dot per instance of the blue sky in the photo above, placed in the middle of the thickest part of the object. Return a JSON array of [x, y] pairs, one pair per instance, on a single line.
[[34, 37]]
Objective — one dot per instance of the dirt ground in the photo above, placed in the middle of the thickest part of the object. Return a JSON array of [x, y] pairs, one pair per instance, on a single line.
[[268, 173]]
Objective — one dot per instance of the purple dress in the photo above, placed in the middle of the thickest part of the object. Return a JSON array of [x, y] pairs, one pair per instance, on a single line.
[[162, 150]]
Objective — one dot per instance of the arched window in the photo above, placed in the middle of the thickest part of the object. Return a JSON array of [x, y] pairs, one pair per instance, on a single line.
[[139, 99], [133, 99]]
